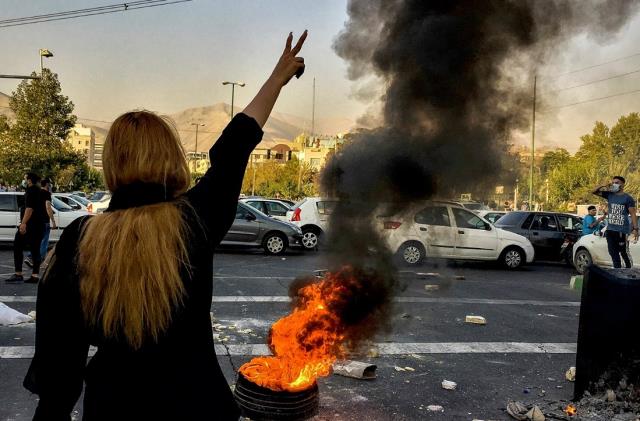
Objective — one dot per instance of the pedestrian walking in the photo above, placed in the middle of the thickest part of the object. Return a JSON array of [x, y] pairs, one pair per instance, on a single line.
[[591, 224], [136, 280], [31, 230], [621, 209], [45, 186]]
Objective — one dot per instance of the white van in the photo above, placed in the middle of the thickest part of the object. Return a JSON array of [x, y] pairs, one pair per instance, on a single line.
[[10, 204]]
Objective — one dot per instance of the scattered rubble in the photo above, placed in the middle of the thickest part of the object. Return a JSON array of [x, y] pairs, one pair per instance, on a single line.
[[478, 320], [435, 408], [460, 278], [32, 314], [355, 369], [570, 374], [431, 287], [449, 385]]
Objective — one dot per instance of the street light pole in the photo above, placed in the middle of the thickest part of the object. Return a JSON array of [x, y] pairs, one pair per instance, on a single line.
[[195, 167], [44, 53], [233, 91], [533, 142]]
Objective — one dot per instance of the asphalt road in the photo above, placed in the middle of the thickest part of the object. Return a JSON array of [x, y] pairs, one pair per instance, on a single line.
[[521, 353]]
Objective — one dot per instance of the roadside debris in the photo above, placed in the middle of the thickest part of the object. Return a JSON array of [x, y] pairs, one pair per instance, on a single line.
[[355, 369], [397, 368], [570, 374], [32, 314], [373, 353], [435, 408], [449, 385], [9, 316], [517, 410], [535, 414], [430, 287], [460, 278], [478, 320]]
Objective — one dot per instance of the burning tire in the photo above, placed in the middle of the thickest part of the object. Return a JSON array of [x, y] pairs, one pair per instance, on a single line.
[[582, 261], [274, 243], [310, 238], [513, 258], [411, 253]]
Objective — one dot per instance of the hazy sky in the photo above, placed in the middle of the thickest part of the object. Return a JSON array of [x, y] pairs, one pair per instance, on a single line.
[[175, 57]]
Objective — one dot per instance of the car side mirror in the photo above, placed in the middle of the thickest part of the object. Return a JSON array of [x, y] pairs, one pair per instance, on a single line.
[[250, 217]]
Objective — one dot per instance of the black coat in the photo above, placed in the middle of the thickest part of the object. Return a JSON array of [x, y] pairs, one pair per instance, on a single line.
[[177, 378]]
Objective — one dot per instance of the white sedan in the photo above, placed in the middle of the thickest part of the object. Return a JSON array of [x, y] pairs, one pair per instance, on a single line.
[[446, 230], [592, 249]]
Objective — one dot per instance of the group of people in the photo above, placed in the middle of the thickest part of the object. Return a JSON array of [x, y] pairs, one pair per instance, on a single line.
[[36, 221], [7, 187]]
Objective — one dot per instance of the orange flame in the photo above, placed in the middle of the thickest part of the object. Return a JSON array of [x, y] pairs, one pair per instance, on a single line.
[[305, 343], [571, 410]]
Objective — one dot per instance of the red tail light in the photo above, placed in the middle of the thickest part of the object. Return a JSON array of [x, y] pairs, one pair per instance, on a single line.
[[296, 215], [392, 225]]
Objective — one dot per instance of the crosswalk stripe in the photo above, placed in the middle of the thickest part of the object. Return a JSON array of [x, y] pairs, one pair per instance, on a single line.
[[286, 299], [397, 348]]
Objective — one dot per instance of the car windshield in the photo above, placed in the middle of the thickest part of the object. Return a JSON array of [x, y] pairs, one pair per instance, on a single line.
[[80, 199], [59, 205], [510, 219], [98, 196], [473, 206]]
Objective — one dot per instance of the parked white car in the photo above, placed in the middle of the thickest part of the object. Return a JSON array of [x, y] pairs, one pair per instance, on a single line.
[[99, 201], [273, 207], [10, 204], [311, 214], [73, 201], [445, 230], [592, 249]]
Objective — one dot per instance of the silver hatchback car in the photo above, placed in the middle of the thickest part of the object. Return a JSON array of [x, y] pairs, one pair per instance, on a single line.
[[255, 229]]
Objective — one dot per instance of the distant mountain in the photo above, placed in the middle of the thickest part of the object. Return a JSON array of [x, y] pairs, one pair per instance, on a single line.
[[215, 117]]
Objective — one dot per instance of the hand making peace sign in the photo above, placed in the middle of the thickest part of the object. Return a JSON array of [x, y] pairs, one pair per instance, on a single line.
[[290, 65]]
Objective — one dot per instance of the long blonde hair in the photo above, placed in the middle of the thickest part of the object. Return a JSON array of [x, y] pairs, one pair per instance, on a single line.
[[130, 260]]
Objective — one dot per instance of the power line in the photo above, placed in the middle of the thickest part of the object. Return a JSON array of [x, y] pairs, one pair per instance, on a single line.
[[595, 81], [120, 8], [592, 100], [77, 11], [597, 65]]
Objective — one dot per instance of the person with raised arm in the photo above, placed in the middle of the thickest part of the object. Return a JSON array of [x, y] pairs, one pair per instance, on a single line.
[[136, 282]]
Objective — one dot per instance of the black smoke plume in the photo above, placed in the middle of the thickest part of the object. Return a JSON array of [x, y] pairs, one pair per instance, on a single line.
[[456, 78]]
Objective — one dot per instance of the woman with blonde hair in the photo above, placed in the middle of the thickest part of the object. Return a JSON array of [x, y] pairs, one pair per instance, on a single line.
[[136, 281]]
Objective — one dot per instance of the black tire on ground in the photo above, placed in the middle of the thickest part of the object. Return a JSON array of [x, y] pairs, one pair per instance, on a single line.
[[583, 260], [411, 253], [512, 258], [311, 238], [275, 243]]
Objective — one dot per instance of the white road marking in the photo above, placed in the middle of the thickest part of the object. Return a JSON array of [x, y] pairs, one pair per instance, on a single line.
[[22, 352], [285, 299]]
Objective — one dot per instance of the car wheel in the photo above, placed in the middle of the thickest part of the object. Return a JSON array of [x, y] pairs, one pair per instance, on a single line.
[[275, 243], [310, 238], [582, 261], [512, 258], [412, 254]]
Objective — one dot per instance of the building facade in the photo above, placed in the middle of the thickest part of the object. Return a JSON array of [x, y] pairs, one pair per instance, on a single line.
[[83, 139]]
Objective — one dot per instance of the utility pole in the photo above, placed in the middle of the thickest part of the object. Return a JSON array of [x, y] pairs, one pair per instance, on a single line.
[[313, 108], [233, 91], [515, 196], [533, 142], [253, 182]]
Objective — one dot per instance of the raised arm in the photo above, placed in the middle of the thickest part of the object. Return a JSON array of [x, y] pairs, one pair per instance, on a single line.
[[598, 191], [215, 197], [288, 65]]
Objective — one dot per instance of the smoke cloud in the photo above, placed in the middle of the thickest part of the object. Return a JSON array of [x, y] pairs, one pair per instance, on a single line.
[[456, 80]]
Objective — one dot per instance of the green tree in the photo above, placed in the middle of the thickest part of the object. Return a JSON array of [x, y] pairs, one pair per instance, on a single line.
[[271, 178], [35, 140]]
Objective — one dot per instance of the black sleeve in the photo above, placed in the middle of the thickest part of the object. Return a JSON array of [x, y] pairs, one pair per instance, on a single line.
[[56, 372], [215, 197], [603, 193]]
